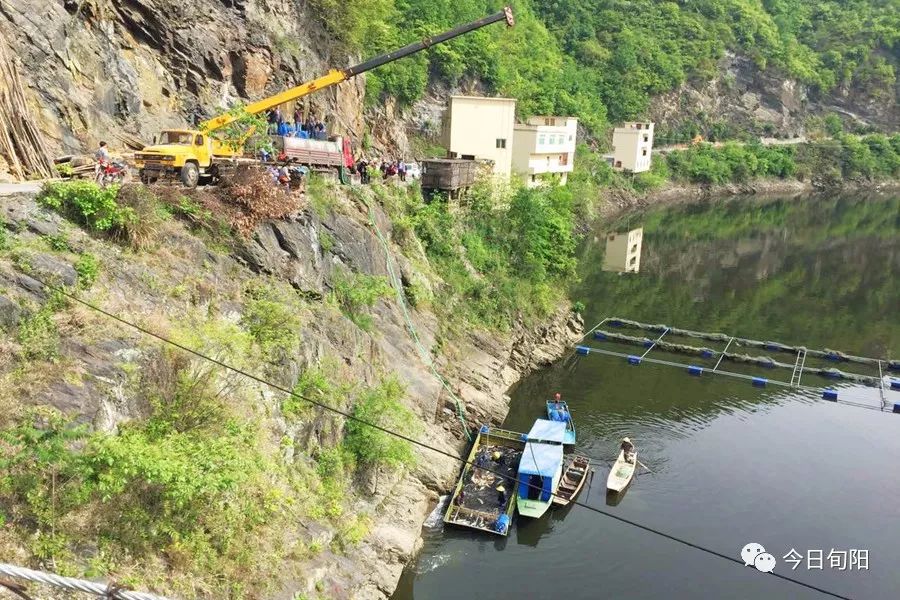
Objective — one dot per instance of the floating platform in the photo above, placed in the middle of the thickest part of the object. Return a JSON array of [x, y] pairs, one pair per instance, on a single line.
[[737, 350], [475, 500]]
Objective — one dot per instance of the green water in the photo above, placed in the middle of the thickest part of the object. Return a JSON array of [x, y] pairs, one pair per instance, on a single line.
[[732, 464]]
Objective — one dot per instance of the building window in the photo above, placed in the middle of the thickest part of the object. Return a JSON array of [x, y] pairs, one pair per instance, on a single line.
[[501, 143], [646, 138], [542, 139], [633, 261], [532, 178], [644, 152], [570, 138], [634, 249]]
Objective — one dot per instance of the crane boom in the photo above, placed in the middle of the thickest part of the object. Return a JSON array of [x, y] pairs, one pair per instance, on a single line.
[[335, 76]]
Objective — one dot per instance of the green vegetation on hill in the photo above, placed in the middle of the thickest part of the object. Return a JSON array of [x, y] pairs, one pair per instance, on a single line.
[[603, 59], [831, 161]]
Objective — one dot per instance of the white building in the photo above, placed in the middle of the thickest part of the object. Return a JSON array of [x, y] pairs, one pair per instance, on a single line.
[[544, 147], [482, 129], [632, 147], [623, 251]]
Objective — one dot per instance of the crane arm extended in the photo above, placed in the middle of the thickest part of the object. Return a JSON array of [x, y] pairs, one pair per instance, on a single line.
[[335, 77]]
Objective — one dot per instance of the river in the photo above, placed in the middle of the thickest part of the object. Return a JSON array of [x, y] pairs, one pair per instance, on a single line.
[[731, 463]]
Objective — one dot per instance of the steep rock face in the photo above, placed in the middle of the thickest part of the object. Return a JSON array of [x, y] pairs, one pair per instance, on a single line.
[[185, 277], [135, 66], [742, 94]]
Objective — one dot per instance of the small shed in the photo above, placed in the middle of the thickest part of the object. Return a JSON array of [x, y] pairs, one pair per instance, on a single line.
[[448, 174]]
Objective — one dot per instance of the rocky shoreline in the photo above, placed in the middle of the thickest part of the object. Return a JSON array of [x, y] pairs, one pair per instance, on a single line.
[[616, 201]]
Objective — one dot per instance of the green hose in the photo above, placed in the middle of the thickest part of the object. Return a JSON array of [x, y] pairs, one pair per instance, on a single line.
[[397, 284]]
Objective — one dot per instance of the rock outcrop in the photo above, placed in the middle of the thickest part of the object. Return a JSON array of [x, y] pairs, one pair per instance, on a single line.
[[98, 69], [185, 276], [743, 95]]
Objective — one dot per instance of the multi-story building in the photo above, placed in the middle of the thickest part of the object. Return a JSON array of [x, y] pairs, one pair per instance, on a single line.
[[482, 129], [623, 251], [632, 147], [544, 149]]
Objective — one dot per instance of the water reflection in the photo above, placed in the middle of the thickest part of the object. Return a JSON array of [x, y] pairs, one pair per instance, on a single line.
[[623, 251], [730, 462]]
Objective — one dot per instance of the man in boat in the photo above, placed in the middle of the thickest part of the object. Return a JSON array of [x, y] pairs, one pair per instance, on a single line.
[[628, 448]]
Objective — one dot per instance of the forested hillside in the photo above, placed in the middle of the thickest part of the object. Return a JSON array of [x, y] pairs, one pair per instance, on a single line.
[[604, 59]]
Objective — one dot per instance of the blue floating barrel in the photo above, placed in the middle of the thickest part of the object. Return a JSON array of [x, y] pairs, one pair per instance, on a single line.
[[760, 381], [773, 346], [582, 349], [831, 374], [895, 384], [634, 360], [706, 354], [484, 429], [767, 364], [829, 394], [833, 356], [893, 365], [659, 328], [524, 437], [897, 408], [695, 370], [648, 343], [599, 335], [615, 323]]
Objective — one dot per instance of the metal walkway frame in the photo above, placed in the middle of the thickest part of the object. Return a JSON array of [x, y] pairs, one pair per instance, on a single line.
[[798, 366]]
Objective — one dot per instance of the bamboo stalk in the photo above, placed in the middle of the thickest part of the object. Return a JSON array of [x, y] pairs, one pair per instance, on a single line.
[[20, 141]]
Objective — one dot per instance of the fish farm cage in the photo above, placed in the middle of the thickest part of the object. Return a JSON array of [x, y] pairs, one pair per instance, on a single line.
[[783, 364]]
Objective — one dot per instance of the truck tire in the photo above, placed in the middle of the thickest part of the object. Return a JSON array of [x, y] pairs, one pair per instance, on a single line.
[[190, 175]]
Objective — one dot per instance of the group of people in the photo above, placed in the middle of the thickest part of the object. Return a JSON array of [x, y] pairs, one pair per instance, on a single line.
[[309, 128], [368, 170]]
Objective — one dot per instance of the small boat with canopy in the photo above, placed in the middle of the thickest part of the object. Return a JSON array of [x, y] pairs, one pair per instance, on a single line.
[[558, 410], [540, 469]]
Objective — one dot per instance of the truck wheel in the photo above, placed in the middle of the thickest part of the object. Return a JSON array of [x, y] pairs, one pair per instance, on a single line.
[[190, 175]]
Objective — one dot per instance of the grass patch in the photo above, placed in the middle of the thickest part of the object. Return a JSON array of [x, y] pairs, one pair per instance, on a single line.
[[38, 335], [88, 268], [272, 320], [355, 293]]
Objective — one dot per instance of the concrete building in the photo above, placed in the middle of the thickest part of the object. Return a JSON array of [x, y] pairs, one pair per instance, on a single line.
[[544, 147], [632, 147], [623, 251], [482, 129]]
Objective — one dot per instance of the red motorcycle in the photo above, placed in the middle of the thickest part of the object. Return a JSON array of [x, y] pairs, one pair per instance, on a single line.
[[109, 172]]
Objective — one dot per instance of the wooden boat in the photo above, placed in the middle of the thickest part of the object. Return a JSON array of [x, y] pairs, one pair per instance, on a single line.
[[562, 414], [621, 473], [575, 473], [475, 502], [540, 470]]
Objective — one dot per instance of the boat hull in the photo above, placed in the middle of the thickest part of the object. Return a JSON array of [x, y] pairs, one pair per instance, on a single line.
[[570, 438], [533, 509], [621, 474]]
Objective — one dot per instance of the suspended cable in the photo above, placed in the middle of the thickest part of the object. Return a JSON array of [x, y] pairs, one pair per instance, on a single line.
[[408, 439]]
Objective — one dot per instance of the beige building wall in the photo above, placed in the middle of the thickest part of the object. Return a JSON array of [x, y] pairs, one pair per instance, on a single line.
[[481, 128], [623, 251], [544, 146], [633, 147]]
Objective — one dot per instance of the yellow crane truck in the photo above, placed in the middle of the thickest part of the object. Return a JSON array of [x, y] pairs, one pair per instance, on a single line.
[[191, 154]]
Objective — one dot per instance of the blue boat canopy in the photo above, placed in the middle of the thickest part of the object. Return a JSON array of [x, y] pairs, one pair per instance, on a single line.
[[539, 462], [547, 431]]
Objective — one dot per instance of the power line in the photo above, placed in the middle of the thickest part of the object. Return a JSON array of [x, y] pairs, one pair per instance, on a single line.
[[408, 439]]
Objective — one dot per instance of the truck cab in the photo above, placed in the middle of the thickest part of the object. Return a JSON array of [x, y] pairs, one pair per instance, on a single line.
[[183, 152]]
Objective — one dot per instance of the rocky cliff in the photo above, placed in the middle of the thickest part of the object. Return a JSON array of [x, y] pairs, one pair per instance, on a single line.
[[191, 281], [100, 68], [747, 98]]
